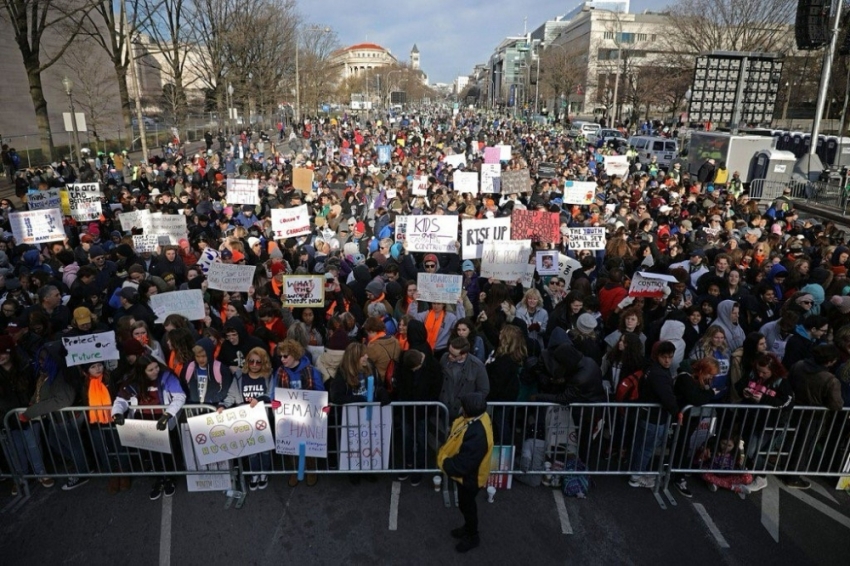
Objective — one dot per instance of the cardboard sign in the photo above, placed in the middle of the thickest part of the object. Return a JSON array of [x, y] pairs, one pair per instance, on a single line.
[[490, 173], [303, 291], [587, 238], [439, 288], [465, 182], [536, 225], [302, 179], [492, 155], [142, 244], [188, 303], [504, 152], [210, 481], [616, 165], [515, 182], [547, 170], [90, 348], [41, 200], [84, 201], [236, 432], [579, 192], [432, 233], [476, 232], [568, 266], [142, 434], [243, 191], [384, 153], [137, 219], [506, 261], [501, 460], [290, 222], [231, 278], [346, 157], [301, 418], [37, 226], [455, 160], [419, 185], [170, 227], [365, 442], [650, 285], [547, 262]]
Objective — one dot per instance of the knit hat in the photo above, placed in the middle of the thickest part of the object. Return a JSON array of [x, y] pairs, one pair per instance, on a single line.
[[96, 251], [586, 323], [430, 257], [132, 347], [375, 287], [841, 303], [277, 268]]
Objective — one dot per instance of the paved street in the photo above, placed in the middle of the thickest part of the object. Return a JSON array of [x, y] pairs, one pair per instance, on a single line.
[[336, 522]]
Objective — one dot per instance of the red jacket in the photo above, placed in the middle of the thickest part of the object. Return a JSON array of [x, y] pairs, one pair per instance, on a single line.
[[609, 297]]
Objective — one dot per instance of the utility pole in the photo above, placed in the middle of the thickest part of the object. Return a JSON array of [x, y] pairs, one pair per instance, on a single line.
[[138, 97]]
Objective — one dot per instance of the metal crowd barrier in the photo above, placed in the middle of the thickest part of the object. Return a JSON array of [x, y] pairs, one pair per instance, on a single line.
[[824, 193]]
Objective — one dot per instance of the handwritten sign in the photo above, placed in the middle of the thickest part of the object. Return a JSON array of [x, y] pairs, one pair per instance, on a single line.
[[489, 173], [465, 182], [515, 182], [188, 303], [419, 185], [302, 179], [90, 348], [476, 232], [616, 165], [303, 291], [547, 262], [492, 155], [142, 434], [455, 160], [432, 233], [537, 225], [213, 477], [384, 153], [37, 226], [41, 200], [136, 219], [504, 152], [567, 266], [230, 277], [346, 157], [579, 192], [587, 238], [171, 228], [439, 288], [547, 170], [506, 261], [301, 418], [236, 432], [650, 285], [84, 201], [290, 222], [243, 191], [142, 244], [365, 442]]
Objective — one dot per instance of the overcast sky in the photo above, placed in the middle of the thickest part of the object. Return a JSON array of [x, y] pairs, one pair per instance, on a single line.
[[452, 35]]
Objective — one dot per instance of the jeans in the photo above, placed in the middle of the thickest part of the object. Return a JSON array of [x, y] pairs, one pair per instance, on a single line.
[[648, 436], [64, 437], [27, 449], [261, 462]]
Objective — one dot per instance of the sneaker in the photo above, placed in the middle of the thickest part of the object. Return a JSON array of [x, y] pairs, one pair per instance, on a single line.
[[796, 482], [253, 483], [403, 476], [74, 483], [741, 490], [415, 479], [758, 484], [682, 486], [468, 543], [264, 482], [47, 482], [459, 532], [642, 481], [156, 490], [711, 487]]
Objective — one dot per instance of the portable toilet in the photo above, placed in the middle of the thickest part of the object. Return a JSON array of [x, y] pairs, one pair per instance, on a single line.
[[831, 150], [796, 146], [772, 165], [821, 150], [777, 138]]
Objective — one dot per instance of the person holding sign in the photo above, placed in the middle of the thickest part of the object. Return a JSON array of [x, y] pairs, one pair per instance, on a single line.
[[438, 322], [207, 379]]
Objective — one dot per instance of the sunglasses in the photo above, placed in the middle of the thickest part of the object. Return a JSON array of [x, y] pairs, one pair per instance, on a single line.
[[254, 362], [284, 356], [430, 266]]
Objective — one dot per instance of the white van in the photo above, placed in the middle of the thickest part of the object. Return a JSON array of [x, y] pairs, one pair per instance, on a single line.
[[665, 150], [589, 129]]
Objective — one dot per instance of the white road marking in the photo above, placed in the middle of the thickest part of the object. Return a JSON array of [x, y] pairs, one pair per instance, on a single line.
[[823, 492], [394, 497], [165, 533], [709, 522], [843, 520], [770, 508], [566, 527]]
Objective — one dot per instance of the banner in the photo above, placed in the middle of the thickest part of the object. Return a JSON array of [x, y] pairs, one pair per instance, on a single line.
[[455, 160], [384, 152], [231, 278], [579, 192], [650, 285], [506, 261], [439, 288], [137, 219], [37, 226], [617, 165], [84, 201], [587, 238], [41, 200], [346, 157], [465, 182], [90, 348], [301, 418], [432, 233], [171, 228], [419, 185], [364, 442], [547, 170], [188, 303], [515, 182], [243, 191], [303, 291], [489, 173], [201, 481], [476, 232], [492, 155], [536, 225], [142, 434], [547, 262], [302, 179], [236, 432], [142, 244], [290, 222]]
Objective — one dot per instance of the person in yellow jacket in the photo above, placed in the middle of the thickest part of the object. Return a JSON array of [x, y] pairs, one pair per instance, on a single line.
[[465, 457]]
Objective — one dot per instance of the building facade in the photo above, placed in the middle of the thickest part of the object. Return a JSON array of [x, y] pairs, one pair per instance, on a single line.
[[360, 59]]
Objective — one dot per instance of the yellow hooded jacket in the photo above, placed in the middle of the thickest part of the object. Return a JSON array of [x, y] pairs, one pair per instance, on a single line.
[[466, 445]]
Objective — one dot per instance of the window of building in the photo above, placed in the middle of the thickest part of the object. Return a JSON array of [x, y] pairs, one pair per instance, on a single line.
[[653, 37], [609, 35], [642, 37], [627, 37]]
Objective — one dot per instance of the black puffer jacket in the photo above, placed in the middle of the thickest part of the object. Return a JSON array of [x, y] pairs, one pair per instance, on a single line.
[[567, 376]]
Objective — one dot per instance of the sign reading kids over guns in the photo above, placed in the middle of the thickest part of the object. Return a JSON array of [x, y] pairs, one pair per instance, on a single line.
[[432, 233]]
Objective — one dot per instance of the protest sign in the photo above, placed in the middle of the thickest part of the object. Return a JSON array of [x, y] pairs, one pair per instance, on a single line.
[[303, 291], [365, 442], [37, 226], [567, 265], [536, 225], [489, 173], [243, 191], [455, 160], [171, 228], [188, 303], [41, 200], [384, 153], [419, 185], [400, 228], [240, 431], [231, 278], [504, 152], [587, 238], [492, 155], [302, 179], [506, 261], [346, 157], [476, 232], [547, 170], [650, 285], [90, 348], [142, 244], [212, 481], [391, 193], [616, 165], [84, 201], [290, 222], [432, 233], [465, 182], [142, 434], [137, 219], [579, 192], [547, 262], [439, 288], [329, 153], [515, 182], [301, 418], [338, 188]]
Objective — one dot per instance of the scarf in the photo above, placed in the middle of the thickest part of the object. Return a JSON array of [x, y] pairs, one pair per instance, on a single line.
[[174, 365], [402, 341], [433, 323], [277, 288], [99, 397], [377, 336]]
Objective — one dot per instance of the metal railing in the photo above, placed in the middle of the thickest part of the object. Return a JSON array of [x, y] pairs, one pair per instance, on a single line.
[[824, 193]]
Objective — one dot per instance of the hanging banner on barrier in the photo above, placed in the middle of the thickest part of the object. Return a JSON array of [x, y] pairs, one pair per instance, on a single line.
[[142, 434], [301, 418], [202, 481], [365, 442], [232, 433]]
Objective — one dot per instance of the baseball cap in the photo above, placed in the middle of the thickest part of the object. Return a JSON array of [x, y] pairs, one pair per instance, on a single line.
[[82, 315]]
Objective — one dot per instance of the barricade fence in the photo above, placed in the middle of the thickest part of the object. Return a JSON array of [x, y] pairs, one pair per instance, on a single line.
[[824, 193]]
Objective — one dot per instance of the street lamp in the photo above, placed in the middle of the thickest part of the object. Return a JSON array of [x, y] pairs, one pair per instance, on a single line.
[[316, 29], [68, 84], [230, 107]]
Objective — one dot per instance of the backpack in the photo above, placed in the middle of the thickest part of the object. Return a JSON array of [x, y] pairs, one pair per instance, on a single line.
[[389, 374], [628, 390], [575, 485]]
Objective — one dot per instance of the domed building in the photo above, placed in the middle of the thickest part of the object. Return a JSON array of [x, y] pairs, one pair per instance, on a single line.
[[363, 57]]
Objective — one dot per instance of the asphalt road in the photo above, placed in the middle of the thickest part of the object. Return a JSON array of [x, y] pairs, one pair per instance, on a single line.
[[336, 522]]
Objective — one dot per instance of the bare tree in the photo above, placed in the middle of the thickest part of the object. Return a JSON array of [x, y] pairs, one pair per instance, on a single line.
[[317, 79], [563, 71]]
